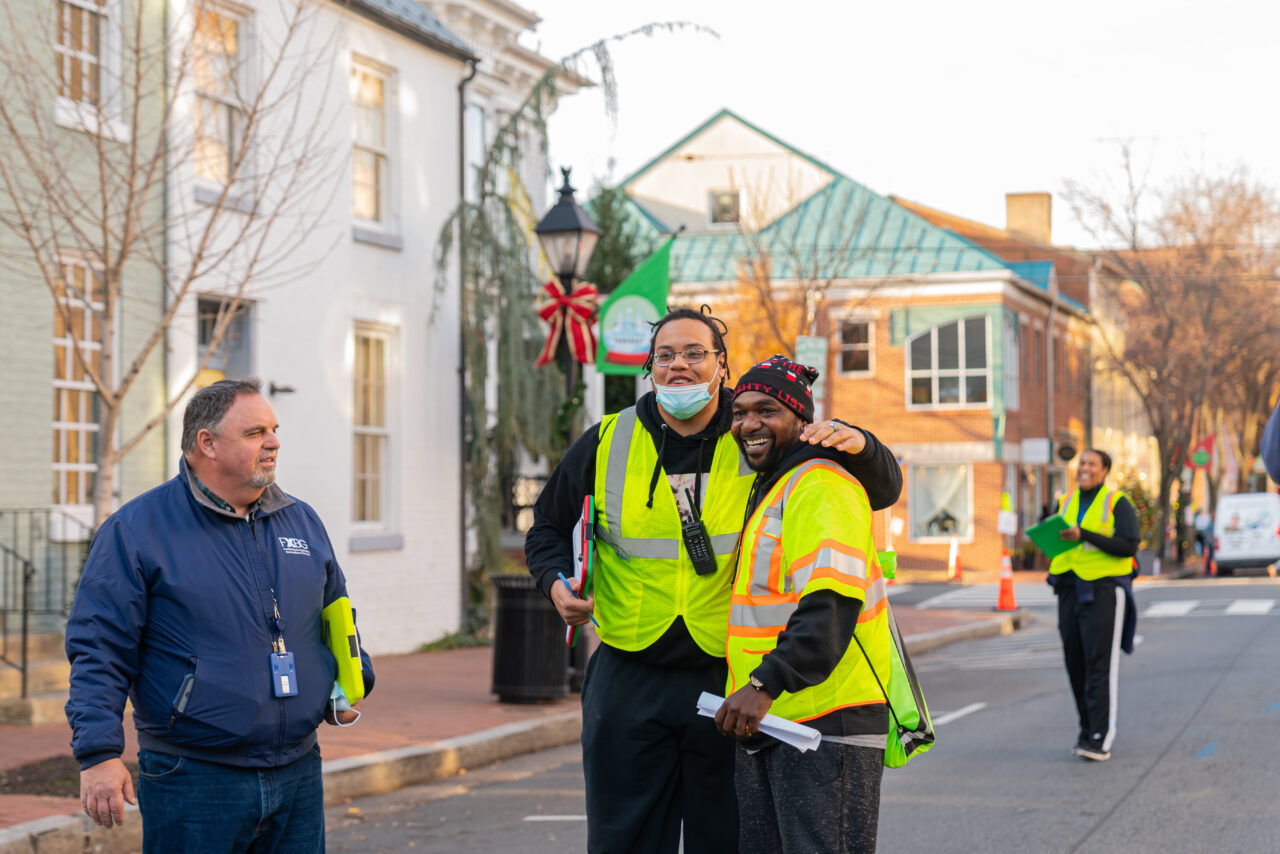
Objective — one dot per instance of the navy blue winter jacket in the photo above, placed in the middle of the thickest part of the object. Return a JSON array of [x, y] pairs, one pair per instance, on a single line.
[[176, 590], [1271, 445]]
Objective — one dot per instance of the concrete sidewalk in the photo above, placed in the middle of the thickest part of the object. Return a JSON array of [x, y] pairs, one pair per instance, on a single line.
[[431, 716]]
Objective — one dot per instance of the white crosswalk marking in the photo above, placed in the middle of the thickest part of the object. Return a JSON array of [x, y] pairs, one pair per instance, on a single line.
[[985, 596], [1033, 649], [1171, 608], [1251, 606], [1025, 650], [1210, 608]]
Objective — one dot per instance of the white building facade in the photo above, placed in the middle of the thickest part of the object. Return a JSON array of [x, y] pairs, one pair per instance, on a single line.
[[346, 316]]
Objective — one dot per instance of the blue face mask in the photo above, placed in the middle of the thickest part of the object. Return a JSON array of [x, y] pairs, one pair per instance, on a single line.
[[684, 401]]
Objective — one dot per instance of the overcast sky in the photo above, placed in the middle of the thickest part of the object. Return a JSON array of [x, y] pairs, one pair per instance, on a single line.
[[950, 104]]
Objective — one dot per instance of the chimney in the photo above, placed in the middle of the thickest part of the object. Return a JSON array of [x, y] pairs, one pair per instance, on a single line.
[[1028, 215]]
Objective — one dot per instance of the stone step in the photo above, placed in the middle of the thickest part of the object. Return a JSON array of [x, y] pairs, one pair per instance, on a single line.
[[39, 645], [45, 708], [49, 674]]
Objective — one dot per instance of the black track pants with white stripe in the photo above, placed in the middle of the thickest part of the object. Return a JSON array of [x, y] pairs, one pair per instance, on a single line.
[[1091, 648]]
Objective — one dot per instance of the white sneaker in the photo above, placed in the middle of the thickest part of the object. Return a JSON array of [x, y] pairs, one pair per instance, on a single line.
[[1093, 752]]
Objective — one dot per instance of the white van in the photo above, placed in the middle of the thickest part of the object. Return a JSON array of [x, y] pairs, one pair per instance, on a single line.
[[1246, 530]]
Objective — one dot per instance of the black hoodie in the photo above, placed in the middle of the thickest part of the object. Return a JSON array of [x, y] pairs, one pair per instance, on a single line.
[[548, 546], [818, 633]]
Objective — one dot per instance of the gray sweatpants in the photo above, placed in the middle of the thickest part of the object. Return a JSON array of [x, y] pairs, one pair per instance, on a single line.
[[826, 801]]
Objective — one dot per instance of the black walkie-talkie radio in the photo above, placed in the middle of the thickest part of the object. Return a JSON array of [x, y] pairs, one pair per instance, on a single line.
[[697, 542]]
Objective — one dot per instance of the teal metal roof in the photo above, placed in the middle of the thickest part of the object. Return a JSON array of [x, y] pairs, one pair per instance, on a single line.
[[1037, 273], [843, 231]]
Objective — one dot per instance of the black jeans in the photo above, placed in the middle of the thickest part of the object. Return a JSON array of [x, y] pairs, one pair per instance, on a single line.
[[810, 803], [652, 762], [1090, 633]]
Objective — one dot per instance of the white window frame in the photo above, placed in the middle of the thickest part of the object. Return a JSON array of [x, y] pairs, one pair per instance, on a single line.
[[386, 432], [1012, 365], [913, 504], [208, 189], [1038, 360], [869, 347], [711, 209], [962, 372], [104, 117], [476, 130], [86, 430], [387, 221]]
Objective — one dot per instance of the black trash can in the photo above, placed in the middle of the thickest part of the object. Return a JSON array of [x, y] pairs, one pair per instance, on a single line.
[[530, 657]]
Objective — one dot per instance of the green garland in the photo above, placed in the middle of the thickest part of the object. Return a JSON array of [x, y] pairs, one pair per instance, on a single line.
[[499, 297]]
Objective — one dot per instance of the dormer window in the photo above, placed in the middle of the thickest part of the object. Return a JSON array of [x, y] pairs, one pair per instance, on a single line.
[[724, 207]]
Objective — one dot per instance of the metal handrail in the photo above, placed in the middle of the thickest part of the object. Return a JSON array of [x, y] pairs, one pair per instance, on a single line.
[[11, 559], [42, 552]]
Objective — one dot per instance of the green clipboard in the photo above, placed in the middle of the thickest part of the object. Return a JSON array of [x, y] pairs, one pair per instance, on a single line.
[[1045, 536]]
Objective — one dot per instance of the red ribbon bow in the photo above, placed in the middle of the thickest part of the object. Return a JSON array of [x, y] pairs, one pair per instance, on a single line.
[[580, 309]]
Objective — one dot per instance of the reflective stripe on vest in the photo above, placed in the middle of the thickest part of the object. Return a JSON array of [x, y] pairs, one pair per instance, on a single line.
[[654, 548], [769, 585], [1088, 561], [644, 577]]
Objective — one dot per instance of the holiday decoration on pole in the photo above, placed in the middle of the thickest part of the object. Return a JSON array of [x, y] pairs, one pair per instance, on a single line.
[[568, 236], [577, 310]]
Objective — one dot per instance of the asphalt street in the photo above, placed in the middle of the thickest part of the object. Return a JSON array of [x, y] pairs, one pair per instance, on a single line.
[[1195, 766]]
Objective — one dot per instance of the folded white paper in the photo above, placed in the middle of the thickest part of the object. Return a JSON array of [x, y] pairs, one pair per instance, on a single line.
[[799, 736]]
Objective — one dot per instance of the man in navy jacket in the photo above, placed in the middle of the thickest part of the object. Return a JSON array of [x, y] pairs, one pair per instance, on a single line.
[[1271, 445], [200, 601]]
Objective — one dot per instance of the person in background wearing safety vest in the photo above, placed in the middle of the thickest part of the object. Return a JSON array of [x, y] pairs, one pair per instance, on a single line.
[[670, 489], [1096, 614], [807, 624]]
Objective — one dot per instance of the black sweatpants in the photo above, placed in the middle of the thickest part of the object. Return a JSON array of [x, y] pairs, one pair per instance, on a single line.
[[651, 761], [823, 802], [1091, 648]]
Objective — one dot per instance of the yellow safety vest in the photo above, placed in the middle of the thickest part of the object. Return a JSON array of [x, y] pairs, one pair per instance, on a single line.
[[825, 544], [1088, 561], [644, 577]]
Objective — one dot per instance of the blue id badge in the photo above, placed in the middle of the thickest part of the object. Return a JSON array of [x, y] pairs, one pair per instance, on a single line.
[[283, 677]]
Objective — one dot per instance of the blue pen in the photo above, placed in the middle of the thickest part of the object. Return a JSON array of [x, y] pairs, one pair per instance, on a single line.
[[570, 589]]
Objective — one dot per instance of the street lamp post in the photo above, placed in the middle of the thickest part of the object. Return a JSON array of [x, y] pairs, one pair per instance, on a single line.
[[568, 236]]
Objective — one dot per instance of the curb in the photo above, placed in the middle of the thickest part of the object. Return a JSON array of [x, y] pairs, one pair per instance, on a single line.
[[344, 779], [391, 770], [929, 641]]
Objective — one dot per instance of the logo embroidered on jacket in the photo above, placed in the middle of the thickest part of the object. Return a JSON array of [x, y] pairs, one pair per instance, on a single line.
[[294, 546]]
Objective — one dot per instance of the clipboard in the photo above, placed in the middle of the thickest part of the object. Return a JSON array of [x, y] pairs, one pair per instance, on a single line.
[[339, 628], [1045, 536], [584, 557]]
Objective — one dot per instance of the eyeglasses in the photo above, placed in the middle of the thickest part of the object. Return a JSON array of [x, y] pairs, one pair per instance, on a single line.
[[691, 356]]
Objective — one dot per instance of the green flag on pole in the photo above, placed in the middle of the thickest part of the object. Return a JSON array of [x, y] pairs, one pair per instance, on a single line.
[[625, 317]]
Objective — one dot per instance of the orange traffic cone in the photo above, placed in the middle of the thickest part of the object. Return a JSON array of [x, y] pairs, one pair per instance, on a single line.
[[1005, 601], [954, 570]]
